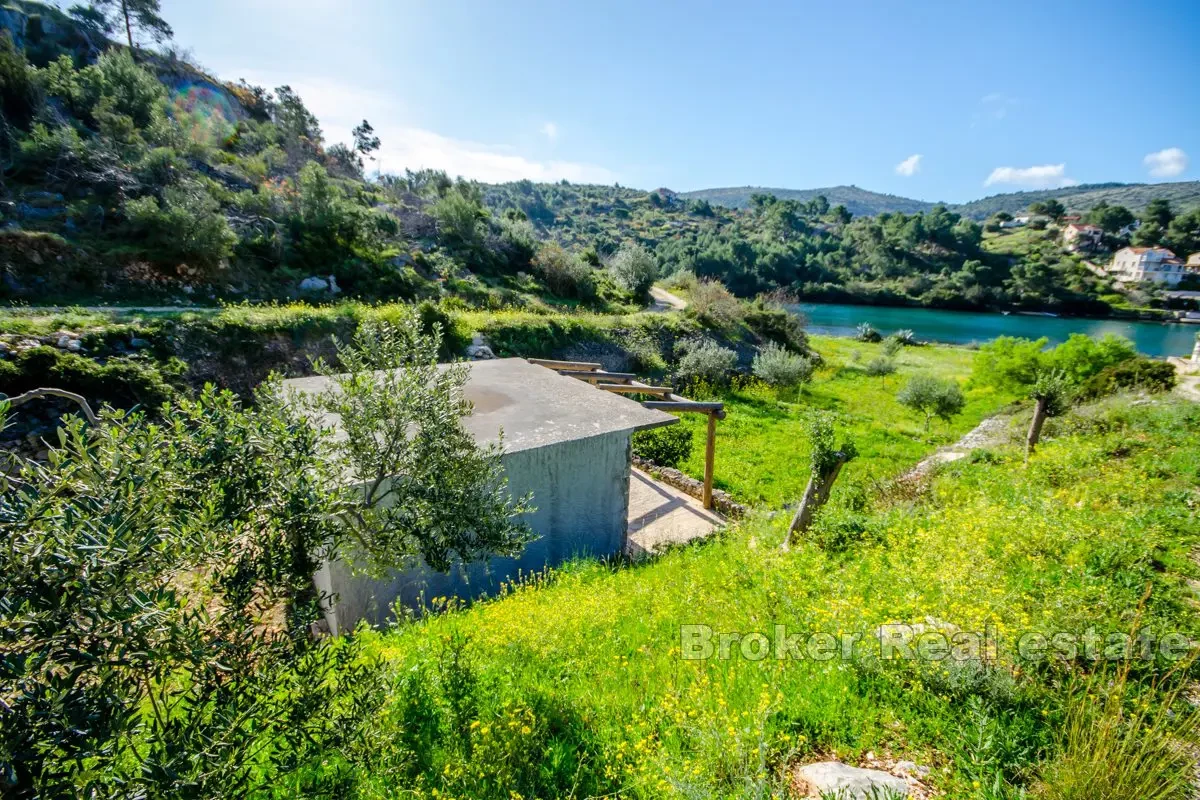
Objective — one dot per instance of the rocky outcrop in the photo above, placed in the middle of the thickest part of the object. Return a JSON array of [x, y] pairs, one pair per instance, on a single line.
[[835, 779], [316, 285], [479, 349]]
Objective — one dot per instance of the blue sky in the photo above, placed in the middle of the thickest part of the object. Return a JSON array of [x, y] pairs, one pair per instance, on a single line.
[[934, 100]]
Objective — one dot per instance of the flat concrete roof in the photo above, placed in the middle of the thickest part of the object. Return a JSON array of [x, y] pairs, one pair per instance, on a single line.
[[535, 406]]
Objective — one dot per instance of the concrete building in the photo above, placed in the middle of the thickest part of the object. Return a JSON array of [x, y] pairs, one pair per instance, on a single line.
[[1147, 264], [1079, 236], [565, 441]]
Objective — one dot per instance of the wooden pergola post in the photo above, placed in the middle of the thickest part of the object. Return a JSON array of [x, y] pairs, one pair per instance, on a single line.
[[710, 450], [627, 383]]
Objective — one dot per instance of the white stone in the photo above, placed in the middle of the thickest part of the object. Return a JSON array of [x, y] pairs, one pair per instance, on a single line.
[[313, 284], [479, 349], [74, 345], [835, 779]]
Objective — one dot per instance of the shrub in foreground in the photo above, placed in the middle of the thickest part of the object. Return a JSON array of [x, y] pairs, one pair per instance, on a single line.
[[156, 582]]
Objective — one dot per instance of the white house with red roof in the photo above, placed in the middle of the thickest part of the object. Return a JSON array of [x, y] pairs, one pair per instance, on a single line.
[[1147, 265], [1081, 236]]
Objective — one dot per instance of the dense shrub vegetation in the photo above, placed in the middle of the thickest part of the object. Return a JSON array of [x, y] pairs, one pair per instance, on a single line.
[[666, 447], [156, 589], [245, 198]]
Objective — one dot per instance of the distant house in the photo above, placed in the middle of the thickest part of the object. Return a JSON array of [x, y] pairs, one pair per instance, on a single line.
[[1128, 230], [1193, 262], [1148, 265], [1079, 236], [1071, 218], [1023, 220]]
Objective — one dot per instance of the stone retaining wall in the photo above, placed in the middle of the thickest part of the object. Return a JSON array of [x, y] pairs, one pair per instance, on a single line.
[[722, 502]]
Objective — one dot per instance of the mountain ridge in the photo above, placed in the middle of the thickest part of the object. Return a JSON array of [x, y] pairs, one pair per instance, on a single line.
[[1183, 195]]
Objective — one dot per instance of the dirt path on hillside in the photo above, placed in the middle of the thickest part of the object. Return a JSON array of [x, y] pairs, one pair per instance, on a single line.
[[665, 301], [1189, 378]]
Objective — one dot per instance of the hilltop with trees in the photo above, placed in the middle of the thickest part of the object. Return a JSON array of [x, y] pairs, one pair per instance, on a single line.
[[132, 175], [1184, 195]]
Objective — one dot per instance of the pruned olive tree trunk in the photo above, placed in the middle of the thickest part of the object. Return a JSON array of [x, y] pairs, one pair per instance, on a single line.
[[1052, 394], [816, 494], [827, 463], [1040, 412]]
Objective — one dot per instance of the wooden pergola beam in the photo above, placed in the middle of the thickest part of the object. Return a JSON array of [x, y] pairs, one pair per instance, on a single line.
[[627, 383], [583, 366], [685, 406], [598, 375], [635, 388]]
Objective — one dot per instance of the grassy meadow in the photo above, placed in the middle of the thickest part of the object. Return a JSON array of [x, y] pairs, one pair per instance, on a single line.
[[762, 446], [574, 685]]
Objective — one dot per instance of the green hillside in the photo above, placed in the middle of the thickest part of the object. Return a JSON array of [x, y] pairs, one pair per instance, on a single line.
[[1183, 196], [860, 202], [149, 180]]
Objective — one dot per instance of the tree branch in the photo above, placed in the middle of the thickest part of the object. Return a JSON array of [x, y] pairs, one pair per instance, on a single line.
[[34, 394]]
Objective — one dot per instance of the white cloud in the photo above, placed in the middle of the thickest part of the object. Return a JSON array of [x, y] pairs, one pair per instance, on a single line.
[[1046, 176], [1166, 163], [550, 131], [415, 148], [909, 166], [992, 108], [340, 107]]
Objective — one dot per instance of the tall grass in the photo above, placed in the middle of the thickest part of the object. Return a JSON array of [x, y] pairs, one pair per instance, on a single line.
[[1117, 744]]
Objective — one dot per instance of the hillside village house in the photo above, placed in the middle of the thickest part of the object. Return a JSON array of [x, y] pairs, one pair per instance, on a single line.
[[1148, 265], [1193, 262], [1080, 236]]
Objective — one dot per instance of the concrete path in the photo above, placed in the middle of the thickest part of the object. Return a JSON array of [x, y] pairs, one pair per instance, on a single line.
[[665, 301], [1189, 378], [661, 515]]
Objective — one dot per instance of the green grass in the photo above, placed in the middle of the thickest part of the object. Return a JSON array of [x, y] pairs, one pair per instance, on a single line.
[[762, 451], [1016, 241], [574, 685]]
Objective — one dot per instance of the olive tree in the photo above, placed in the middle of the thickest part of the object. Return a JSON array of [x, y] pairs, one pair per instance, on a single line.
[[1051, 393], [156, 585], [932, 397], [827, 460], [634, 269], [152, 613], [422, 486]]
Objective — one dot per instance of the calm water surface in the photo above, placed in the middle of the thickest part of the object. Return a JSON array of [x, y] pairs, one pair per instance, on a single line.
[[970, 327]]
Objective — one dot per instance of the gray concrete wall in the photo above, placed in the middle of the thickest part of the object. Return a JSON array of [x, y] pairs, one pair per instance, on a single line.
[[581, 490]]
